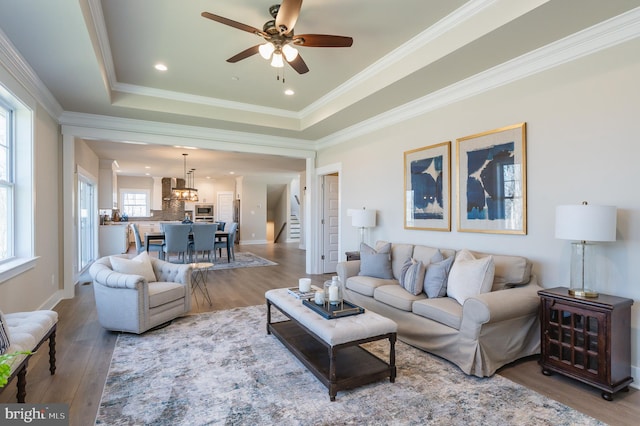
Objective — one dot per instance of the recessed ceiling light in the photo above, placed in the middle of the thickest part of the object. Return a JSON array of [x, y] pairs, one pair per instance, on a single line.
[[161, 67], [147, 174], [147, 167], [235, 78], [289, 92], [232, 173]]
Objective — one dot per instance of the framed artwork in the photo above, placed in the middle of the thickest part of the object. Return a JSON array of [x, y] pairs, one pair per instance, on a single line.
[[427, 188], [491, 185]]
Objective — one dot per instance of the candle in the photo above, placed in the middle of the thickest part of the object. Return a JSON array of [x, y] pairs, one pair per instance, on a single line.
[[319, 299], [304, 285], [333, 294]]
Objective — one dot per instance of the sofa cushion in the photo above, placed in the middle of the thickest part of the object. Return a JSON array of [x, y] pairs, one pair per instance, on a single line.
[[470, 276], [400, 253], [366, 285], [412, 278], [376, 263], [444, 310], [436, 277], [509, 270], [396, 296], [164, 292], [427, 254], [139, 265], [4, 335]]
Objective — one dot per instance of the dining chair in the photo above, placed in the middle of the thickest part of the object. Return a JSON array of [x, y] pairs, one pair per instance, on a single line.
[[204, 238], [153, 246], [176, 240], [228, 244], [221, 225]]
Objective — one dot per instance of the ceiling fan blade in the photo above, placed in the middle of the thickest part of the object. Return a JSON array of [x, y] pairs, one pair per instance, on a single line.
[[231, 23], [299, 65], [288, 15], [322, 40], [244, 54]]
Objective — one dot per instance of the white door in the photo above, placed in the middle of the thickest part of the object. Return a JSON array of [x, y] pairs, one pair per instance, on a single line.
[[225, 207], [330, 223]]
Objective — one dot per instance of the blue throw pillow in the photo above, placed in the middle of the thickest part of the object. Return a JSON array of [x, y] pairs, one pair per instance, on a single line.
[[435, 280], [376, 264]]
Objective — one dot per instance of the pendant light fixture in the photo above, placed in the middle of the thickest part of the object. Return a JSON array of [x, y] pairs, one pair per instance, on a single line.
[[185, 192]]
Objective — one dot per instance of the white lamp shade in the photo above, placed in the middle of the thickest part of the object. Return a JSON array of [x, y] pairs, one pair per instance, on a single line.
[[363, 218], [266, 50], [586, 222]]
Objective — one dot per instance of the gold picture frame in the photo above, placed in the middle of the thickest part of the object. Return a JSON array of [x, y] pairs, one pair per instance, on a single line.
[[427, 188], [492, 181]]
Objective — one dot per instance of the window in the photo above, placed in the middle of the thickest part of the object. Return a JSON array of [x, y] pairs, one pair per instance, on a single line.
[[17, 244], [6, 182], [135, 202]]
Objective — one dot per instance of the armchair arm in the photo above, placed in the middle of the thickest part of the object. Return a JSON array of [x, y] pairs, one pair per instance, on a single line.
[[347, 269], [172, 272], [104, 275], [501, 305]]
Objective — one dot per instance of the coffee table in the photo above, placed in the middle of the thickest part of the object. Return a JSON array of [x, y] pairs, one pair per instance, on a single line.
[[330, 348]]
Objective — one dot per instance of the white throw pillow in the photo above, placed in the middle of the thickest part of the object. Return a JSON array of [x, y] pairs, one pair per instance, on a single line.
[[139, 265], [469, 276]]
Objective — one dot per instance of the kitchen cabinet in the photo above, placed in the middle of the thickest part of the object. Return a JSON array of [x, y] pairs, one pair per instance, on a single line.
[[113, 239], [587, 339]]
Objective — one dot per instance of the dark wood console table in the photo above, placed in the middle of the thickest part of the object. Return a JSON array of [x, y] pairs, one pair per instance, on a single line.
[[587, 339]]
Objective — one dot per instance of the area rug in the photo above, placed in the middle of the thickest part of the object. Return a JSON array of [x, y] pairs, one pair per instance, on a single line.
[[222, 368], [242, 260]]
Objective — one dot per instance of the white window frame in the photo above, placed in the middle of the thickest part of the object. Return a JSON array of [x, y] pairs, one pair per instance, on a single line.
[[23, 257], [146, 192]]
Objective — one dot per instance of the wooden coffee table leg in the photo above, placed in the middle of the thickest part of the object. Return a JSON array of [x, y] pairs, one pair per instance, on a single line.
[[268, 316], [392, 357], [332, 374]]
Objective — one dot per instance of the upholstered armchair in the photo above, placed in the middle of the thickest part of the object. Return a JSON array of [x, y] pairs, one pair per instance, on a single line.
[[152, 293]]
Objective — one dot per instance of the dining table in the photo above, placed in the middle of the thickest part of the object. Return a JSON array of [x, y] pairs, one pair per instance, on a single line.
[[159, 236]]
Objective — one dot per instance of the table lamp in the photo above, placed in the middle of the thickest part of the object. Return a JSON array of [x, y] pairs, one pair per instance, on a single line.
[[363, 218], [584, 223]]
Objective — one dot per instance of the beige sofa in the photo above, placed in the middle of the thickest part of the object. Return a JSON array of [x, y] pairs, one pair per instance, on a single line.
[[482, 334]]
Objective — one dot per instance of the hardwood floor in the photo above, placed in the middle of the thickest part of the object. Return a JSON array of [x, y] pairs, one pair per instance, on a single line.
[[84, 348]]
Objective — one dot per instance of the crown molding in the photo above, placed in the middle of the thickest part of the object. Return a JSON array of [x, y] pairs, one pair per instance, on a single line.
[[610, 33], [15, 64], [202, 100], [125, 129], [409, 48]]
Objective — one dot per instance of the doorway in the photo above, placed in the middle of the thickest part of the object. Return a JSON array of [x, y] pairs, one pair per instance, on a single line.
[[87, 221], [330, 223]]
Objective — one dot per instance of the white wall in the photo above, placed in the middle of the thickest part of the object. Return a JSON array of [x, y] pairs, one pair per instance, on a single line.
[[253, 205], [583, 144]]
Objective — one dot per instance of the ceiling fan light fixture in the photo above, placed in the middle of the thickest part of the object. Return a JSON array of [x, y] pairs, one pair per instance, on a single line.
[[266, 50], [276, 60], [290, 53]]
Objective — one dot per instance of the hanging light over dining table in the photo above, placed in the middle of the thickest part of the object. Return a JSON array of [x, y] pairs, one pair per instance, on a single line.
[[185, 192]]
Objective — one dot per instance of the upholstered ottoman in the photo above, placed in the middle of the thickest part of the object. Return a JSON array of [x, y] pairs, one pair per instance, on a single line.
[[27, 331]]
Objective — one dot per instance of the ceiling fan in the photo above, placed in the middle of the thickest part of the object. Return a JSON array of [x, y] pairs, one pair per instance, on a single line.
[[279, 37]]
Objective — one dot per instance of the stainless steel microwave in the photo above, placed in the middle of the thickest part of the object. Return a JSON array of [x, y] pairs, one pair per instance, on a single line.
[[203, 210]]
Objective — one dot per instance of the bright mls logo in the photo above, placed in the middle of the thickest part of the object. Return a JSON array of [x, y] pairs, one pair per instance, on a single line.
[[36, 414]]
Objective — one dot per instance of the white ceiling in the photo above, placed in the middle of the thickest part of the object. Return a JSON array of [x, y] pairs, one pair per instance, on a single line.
[[96, 58]]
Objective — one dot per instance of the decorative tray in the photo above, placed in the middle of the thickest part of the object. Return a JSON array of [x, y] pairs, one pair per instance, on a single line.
[[331, 312]]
